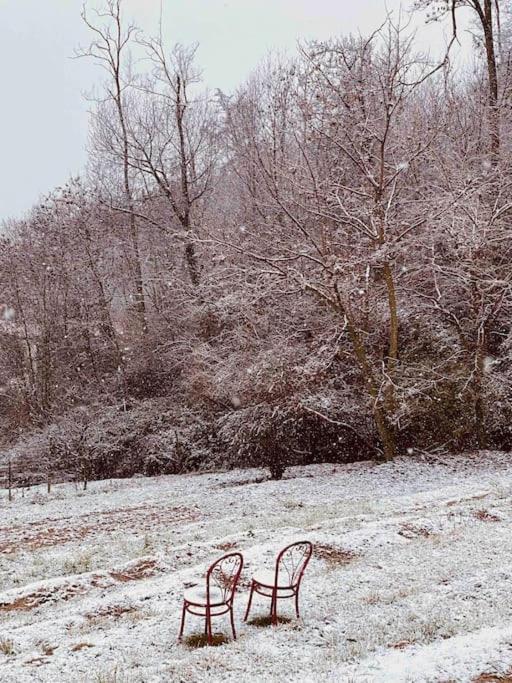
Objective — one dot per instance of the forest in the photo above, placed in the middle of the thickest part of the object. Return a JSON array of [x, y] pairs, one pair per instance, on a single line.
[[314, 268]]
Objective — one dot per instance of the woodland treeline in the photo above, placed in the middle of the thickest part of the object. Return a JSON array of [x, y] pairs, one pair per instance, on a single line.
[[316, 267]]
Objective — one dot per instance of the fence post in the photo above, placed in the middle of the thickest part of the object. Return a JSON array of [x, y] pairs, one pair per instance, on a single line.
[[9, 479]]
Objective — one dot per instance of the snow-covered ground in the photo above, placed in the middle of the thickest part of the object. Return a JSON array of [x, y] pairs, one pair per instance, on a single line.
[[411, 581]]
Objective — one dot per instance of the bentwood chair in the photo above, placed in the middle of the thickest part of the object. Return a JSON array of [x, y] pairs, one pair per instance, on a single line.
[[284, 580], [216, 597]]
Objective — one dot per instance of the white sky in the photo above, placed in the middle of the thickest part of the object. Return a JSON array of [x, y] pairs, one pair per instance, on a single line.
[[43, 115]]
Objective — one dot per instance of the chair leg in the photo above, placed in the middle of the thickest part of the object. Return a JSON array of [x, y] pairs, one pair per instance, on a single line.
[[182, 626], [209, 637], [273, 607], [232, 622], [249, 603]]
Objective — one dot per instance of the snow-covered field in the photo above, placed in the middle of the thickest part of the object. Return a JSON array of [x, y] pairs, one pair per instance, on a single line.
[[411, 581]]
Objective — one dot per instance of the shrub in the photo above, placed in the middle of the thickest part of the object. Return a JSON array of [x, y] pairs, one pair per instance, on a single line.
[[280, 436], [113, 441]]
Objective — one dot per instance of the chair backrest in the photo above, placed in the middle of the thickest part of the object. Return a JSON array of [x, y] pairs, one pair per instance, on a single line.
[[223, 574], [292, 561]]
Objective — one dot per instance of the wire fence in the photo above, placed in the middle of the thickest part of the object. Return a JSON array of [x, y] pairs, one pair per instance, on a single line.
[[16, 480]]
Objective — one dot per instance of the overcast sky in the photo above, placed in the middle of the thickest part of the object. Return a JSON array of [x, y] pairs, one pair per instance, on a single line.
[[43, 115]]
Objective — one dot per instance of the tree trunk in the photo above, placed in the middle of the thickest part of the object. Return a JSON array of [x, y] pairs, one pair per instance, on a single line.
[[486, 20], [481, 436], [190, 252], [380, 411]]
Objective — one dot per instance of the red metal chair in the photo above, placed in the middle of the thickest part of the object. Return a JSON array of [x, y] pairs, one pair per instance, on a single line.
[[284, 581], [217, 597]]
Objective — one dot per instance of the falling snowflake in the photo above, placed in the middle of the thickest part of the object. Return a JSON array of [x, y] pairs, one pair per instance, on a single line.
[[8, 314], [488, 363]]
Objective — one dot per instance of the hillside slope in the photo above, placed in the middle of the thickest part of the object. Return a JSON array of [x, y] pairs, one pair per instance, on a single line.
[[411, 579]]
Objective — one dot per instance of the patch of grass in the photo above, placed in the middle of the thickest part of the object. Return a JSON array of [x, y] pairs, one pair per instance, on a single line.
[[293, 504], [148, 544], [116, 675], [7, 646], [333, 556], [242, 482], [143, 569], [140, 615], [94, 621], [486, 516], [110, 611], [409, 530], [197, 640], [81, 646], [90, 624], [80, 564], [48, 649], [227, 545], [385, 597], [372, 599], [464, 500], [401, 644], [263, 622]]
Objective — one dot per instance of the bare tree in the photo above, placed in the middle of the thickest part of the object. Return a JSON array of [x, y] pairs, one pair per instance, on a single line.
[[173, 135], [109, 47], [488, 17], [338, 152]]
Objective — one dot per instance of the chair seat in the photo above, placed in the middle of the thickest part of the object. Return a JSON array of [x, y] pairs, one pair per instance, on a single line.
[[197, 596], [266, 577]]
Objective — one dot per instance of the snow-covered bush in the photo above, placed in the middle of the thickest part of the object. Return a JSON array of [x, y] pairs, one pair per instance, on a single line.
[[99, 442], [279, 436]]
